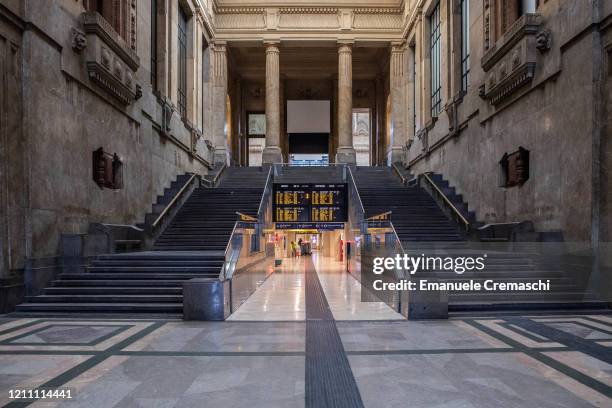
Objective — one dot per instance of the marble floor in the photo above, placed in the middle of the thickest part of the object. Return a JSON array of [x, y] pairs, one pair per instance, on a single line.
[[343, 293], [281, 296], [525, 361], [272, 353]]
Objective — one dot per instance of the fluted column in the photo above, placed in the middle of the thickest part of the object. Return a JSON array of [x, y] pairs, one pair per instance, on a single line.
[[272, 152], [346, 151], [219, 102], [397, 75]]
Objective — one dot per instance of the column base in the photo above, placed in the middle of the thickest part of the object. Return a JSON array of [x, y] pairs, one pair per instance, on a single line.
[[272, 155], [220, 156], [395, 155], [346, 155]]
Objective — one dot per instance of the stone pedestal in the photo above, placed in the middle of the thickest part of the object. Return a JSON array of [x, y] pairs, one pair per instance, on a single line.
[[271, 155], [418, 305], [346, 155], [206, 299], [345, 152], [272, 152]]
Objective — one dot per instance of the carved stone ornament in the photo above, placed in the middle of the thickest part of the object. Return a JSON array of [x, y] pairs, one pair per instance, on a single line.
[[543, 40], [111, 62], [453, 119], [138, 91], [79, 41], [510, 63], [196, 135], [422, 135], [167, 112]]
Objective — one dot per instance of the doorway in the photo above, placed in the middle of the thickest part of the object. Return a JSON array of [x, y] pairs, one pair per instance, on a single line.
[[362, 125], [308, 132]]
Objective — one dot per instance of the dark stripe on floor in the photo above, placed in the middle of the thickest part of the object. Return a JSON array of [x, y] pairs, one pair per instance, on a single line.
[[577, 343], [545, 359], [72, 373], [329, 378]]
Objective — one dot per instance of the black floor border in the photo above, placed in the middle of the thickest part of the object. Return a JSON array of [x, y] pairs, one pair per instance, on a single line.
[[585, 346], [23, 326], [329, 379], [546, 360], [88, 364]]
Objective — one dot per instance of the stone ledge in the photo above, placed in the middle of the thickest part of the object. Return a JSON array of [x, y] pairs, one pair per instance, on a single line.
[[528, 24], [94, 23], [111, 64]]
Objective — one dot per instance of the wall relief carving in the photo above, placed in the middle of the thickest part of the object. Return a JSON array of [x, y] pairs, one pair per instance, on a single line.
[[111, 62], [510, 63], [308, 18]]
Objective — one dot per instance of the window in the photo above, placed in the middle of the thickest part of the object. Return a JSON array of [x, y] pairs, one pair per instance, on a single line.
[[182, 62], [205, 66], [256, 132], [154, 44], [508, 11], [435, 61], [361, 135], [527, 6], [113, 12], [465, 44]]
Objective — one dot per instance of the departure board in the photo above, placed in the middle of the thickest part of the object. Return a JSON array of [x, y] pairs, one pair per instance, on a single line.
[[310, 203]]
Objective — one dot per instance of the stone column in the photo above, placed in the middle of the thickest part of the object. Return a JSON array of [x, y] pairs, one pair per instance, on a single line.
[[219, 102], [272, 152], [346, 151], [397, 68]]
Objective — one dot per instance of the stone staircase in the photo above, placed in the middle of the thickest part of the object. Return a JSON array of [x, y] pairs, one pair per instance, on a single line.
[[415, 214], [192, 246], [423, 227]]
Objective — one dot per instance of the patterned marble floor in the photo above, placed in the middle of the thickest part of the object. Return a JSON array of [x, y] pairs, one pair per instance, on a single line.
[[281, 297], [510, 361]]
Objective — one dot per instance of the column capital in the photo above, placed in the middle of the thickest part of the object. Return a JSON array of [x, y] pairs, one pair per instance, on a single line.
[[345, 46], [272, 46], [398, 46], [220, 45]]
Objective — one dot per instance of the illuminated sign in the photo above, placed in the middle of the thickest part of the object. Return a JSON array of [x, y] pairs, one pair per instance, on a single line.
[[310, 203]]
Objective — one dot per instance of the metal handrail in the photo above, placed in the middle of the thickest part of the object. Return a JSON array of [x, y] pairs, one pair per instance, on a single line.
[[174, 200], [227, 248], [216, 178], [379, 217], [246, 217], [448, 202], [397, 170], [266, 186], [356, 189]]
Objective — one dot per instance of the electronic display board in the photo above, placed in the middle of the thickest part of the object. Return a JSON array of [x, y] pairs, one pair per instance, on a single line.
[[309, 203]]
